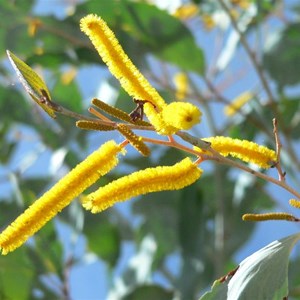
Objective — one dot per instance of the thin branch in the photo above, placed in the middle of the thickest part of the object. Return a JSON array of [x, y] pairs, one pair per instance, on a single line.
[[222, 99], [66, 279], [221, 159], [281, 174], [193, 141], [257, 66]]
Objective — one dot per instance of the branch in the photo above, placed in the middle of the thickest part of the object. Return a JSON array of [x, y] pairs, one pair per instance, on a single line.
[[257, 66], [281, 174]]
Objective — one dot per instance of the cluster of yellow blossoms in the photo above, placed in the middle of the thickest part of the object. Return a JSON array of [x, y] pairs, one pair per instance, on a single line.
[[166, 119]]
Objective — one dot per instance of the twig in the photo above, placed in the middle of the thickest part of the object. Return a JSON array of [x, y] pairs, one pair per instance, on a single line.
[[221, 159], [281, 174], [193, 141], [66, 279], [257, 66], [64, 111], [98, 114]]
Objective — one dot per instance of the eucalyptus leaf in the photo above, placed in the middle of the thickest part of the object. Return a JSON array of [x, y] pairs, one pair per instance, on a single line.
[[149, 292], [282, 56], [16, 276], [165, 35], [103, 238], [262, 275]]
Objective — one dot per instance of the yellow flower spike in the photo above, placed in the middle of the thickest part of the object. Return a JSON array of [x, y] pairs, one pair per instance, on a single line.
[[59, 196], [270, 217], [156, 119], [134, 139], [33, 26], [208, 21], [182, 85], [119, 64], [181, 115], [142, 182], [68, 76], [246, 151], [295, 203], [243, 4], [186, 11], [237, 103], [93, 125]]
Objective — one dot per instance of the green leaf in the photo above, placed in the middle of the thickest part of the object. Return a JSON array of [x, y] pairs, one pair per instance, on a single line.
[[33, 83], [106, 9], [50, 59], [159, 220], [282, 58], [2, 37], [68, 95], [103, 238], [149, 292], [263, 275], [289, 112], [16, 276], [34, 185], [13, 107], [164, 35], [194, 237], [7, 147], [48, 249]]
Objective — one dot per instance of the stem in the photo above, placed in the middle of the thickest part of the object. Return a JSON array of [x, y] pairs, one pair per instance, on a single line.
[[226, 101], [281, 174], [172, 143], [221, 159], [66, 279], [64, 111], [191, 140]]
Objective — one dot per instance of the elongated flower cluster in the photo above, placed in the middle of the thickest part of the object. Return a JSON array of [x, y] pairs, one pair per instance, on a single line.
[[237, 103], [119, 64], [270, 217], [117, 113], [181, 85], [165, 118], [134, 140], [134, 83], [295, 203], [245, 150], [59, 196], [93, 125], [156, 179]]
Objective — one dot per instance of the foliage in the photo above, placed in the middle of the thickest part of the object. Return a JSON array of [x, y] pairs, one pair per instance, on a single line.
[[180, 241]]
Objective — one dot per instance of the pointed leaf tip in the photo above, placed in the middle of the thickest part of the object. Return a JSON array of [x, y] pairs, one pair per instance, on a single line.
[[33, 84]]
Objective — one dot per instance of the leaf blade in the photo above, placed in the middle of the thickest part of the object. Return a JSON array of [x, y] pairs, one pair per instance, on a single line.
[[32, 82], [262, 275]]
